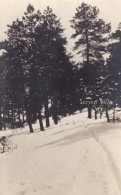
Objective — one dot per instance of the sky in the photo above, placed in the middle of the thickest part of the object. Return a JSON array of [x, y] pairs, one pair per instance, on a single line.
[[10, 10]]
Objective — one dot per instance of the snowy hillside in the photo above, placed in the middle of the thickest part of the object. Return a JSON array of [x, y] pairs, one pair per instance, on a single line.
[[77, 157]]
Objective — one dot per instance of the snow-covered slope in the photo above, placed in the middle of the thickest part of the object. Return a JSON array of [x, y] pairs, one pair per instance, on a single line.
[[77, 157]]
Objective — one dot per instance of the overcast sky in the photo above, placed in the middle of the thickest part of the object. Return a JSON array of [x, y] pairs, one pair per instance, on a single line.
[[110, 11]]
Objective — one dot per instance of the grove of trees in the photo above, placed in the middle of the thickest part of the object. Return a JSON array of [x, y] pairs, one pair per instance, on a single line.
[[38, 77]]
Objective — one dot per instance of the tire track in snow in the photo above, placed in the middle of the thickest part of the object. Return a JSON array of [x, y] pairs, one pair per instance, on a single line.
[[113, 167]]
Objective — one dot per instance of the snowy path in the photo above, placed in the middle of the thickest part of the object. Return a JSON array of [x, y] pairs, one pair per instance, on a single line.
[[73, 158], [110, 141]]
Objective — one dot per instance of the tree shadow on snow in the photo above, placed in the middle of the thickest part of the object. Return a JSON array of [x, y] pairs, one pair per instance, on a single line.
[[68, 139], [98, 129]]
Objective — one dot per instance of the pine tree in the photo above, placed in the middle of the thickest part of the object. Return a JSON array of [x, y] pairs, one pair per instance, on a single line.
[[14, 77], [18, 54], [39, 72], [91, 36], [31, 20], [114, 68], [54, 62]]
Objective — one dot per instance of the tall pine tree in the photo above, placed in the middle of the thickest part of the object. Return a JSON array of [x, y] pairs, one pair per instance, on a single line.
[[91, 34]]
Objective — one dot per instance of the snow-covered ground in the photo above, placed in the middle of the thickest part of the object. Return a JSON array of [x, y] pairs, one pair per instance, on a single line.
[[77, 157]]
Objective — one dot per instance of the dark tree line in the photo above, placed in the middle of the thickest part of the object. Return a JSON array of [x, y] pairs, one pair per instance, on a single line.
[[38, 78]]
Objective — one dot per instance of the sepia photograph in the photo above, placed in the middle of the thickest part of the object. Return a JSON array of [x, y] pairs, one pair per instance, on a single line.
[[60, 97]]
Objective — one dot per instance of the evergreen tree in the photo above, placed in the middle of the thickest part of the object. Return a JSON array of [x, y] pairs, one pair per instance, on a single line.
[[55, 64], [14, 76], [91, 37], [18, 78], [30, 21], [39, 71], [114, 67]]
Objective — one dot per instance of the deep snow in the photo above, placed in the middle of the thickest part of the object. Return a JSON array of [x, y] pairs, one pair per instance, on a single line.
[[77, 157]]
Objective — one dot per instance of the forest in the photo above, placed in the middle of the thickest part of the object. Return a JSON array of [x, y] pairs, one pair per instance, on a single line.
[[40, 79]]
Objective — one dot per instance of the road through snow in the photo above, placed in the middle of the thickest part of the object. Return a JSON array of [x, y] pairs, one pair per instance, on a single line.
[[74, 158], [105, 137]]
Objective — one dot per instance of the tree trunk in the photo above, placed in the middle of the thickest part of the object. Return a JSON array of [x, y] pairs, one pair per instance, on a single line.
[[40, 120], [12, 118], [47, 112], [55, 115], [95, 114], [0, 120], [23, 118], [29, 120], [113, 114], [19, 118], [101, 112], [55, 119], [89, 112], [4, 125], [87, 43], [4, 119], [107, 115], [30, 127]]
